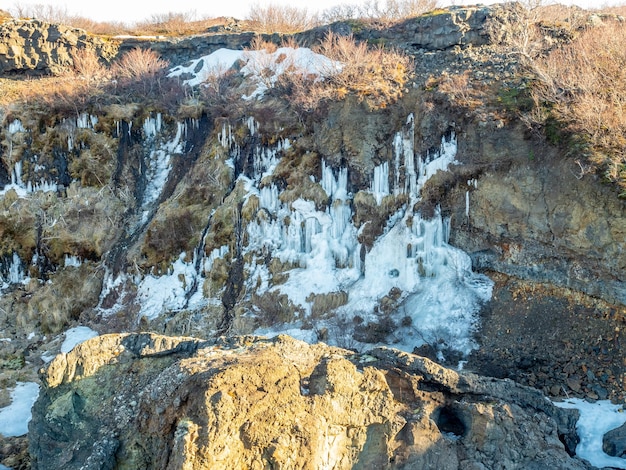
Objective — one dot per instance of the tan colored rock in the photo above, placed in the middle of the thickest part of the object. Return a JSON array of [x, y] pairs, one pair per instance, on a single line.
[[149, 401]]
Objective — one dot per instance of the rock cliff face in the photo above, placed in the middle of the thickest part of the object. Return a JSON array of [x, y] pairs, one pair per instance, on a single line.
[[533, 214], [147, 401], [40, 47], [346, 226]]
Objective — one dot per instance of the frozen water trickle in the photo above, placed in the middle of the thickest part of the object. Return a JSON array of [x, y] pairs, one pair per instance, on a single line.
[[380, 182], [15, 126], [152, 126]]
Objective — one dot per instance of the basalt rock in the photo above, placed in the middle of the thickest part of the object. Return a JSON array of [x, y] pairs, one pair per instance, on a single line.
[[41, 47], [148, 401]]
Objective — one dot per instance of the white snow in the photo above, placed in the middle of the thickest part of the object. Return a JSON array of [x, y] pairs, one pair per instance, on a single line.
[[596, 419], [15, 417], [169, 292], [261, 68], [75, 336]]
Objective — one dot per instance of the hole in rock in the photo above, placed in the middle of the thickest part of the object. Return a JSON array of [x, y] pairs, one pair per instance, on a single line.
[[448, 421]]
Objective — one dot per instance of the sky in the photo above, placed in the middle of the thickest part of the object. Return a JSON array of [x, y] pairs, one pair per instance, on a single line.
[[130, 11]]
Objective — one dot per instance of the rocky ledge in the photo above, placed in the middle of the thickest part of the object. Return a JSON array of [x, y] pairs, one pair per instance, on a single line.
[[150, 401]]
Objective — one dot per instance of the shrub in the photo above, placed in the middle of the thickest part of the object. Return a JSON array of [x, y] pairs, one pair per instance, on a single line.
[[583, 86], [373, 10], [280, 19], [140, 71]]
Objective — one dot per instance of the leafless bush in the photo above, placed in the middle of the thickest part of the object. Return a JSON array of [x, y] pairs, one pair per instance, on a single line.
[[583, 85], [43, 12], [139, 64], [395, 10], [140, 70], [87, 66], [385, 12], [280, 19]]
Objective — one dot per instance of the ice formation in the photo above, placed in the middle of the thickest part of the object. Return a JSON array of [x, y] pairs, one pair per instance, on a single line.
[[158, 165], [442, 294]]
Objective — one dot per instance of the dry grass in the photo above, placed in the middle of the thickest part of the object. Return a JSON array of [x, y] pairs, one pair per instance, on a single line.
[[583, 86], [377, 76]]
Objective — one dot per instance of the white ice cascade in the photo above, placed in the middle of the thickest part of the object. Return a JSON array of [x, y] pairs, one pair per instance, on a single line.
[[12, 272], [443, 295], [159, 161], [440, 294]]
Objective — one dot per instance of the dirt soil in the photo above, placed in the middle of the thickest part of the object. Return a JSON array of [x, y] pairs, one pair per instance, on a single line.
[[561, 342]]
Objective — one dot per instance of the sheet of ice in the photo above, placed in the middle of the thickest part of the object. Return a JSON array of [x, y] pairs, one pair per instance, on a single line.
[[596, 419], [75, 336], [261, 68], [157, 294], [15, 417]]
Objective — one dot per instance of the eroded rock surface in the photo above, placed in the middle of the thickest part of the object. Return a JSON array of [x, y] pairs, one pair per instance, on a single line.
[[33, 45], [149, 401]]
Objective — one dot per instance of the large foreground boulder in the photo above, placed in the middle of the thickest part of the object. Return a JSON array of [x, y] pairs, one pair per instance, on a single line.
[[148, 401]]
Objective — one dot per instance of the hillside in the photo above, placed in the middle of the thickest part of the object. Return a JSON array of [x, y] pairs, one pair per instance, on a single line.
[[431, 185]]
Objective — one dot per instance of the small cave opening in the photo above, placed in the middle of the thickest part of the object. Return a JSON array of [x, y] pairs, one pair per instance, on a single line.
[[449, 421]]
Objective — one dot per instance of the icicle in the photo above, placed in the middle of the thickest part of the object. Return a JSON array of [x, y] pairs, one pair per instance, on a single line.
[[335, 188], [72, 261], [225, 137], [269, 198], [15, 127], [152, 126], [380, 182], [467, 204], [215, 254], [16, 274], [253, 126]]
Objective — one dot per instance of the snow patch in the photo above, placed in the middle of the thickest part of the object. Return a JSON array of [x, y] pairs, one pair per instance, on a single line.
[[75, 336], [261, 68], [596, 419], [14, 418]]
